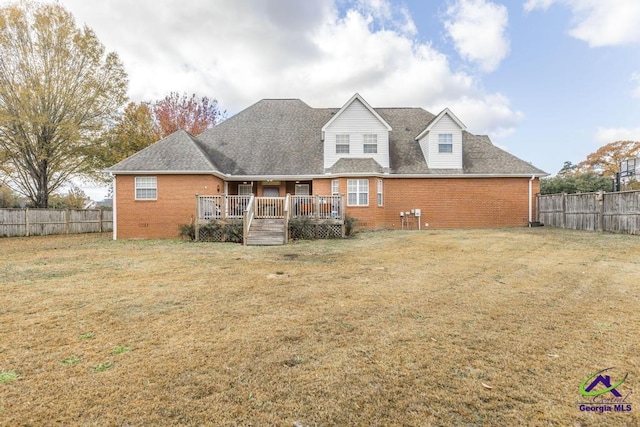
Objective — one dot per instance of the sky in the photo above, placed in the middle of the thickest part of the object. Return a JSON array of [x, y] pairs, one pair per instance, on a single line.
[[548, 80]]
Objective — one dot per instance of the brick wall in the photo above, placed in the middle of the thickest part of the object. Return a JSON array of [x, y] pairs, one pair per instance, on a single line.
[[444, 203], [175, 205], [460, 203]]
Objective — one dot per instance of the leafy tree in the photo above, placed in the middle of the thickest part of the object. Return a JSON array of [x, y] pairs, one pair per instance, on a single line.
[[606, 160], [8, 199], [575, 183], [567, 169], [195, 115], [74, 199], [133, 130], [58, 89]]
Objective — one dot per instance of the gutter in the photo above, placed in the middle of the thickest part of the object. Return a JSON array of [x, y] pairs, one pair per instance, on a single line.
[[327, 175]]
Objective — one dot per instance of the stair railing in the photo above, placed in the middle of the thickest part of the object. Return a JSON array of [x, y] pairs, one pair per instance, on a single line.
[[247, 218]]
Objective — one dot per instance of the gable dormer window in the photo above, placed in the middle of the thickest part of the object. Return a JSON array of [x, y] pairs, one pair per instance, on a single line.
[[342, 144], [445, 143], [370, 143]]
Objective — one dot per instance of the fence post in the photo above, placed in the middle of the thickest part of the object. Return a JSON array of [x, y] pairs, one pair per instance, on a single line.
[[600, 199], [67, 214], [564, 210], [101, 217]]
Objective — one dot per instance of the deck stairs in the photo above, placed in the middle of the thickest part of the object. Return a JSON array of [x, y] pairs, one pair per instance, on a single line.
[[266, 232]]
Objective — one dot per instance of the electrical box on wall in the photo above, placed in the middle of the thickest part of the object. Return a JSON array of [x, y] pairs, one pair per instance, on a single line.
[[417, 212]]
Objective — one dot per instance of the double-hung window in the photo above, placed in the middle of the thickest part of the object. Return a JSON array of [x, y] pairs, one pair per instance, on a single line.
[[146, 188], [445, 143], [358, 192], [342, 144], [370, 143], [380, 192], [245, 189]]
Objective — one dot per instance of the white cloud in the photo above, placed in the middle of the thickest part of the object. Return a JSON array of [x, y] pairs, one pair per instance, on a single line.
[[478, 28], [599, 22], [606, 135], [245, 50]]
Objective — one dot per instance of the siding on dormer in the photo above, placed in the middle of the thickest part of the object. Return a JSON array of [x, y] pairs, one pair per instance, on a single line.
[[356, 120], [429, 145]]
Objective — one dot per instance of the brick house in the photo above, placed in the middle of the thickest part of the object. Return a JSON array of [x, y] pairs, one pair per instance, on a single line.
[[390, 168]]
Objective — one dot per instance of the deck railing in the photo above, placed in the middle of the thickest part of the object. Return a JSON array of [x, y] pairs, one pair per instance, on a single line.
[[318, 207], [233, 207], [269, 207], [221, 207]]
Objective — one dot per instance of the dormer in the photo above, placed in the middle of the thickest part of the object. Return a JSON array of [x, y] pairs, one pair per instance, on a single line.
[[356, 131], [441, 141]]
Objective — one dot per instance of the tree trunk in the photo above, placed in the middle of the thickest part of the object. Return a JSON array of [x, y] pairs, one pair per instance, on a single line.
[[42, 190]]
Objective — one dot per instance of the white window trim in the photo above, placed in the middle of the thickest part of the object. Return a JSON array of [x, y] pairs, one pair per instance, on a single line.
[[445, 140], [245, 186], [362, 187], [344, 143], [335, 187], [380, 195], [370, 141], [302, 193], [145, 183]]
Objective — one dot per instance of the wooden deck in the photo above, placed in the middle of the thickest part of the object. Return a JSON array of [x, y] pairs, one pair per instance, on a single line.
[[266, 219]]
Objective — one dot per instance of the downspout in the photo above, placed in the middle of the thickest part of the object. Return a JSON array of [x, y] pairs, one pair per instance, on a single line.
[[531, 199], [114, 223]]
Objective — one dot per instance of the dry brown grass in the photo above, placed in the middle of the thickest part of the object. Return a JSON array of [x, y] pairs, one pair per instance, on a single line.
[[389, 328]]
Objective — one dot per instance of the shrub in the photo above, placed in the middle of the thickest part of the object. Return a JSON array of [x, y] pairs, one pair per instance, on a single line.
[[233, 231], [188, 231], [214, 231], [349, 225]]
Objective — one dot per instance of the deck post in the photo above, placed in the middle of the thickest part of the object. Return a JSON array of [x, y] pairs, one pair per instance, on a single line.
[[342, 216], [287, 215], [197, 224], [225, 206]]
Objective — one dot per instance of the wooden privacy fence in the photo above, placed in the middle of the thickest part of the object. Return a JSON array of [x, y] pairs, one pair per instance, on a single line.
[[616, 212], [41, 222]]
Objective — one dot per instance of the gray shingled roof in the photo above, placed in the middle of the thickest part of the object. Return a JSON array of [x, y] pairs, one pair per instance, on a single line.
[[358, 166], [178, 152], [272, 137], [282, 137]]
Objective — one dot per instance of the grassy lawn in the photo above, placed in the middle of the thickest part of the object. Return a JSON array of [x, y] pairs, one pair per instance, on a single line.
[[464, 327]]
